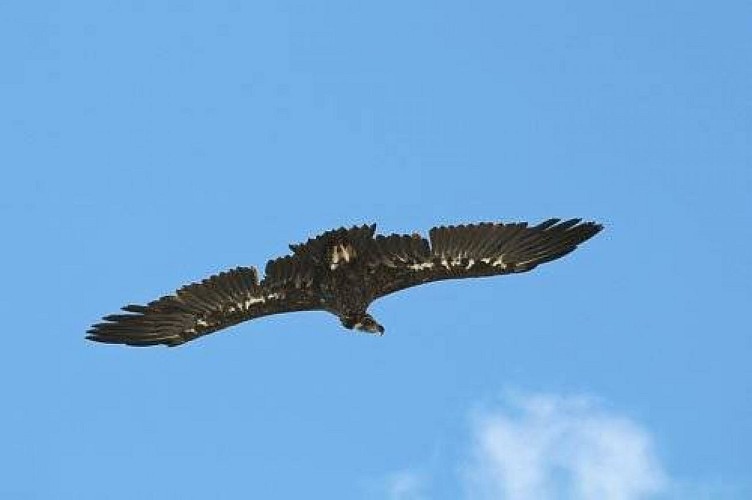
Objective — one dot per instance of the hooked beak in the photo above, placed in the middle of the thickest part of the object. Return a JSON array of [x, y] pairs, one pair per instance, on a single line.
[[370, 326]]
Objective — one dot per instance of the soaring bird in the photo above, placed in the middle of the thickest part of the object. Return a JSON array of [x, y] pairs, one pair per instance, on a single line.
[[342, 271]]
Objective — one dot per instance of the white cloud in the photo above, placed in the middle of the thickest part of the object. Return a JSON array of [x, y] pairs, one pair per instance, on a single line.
[[554, 447], [405, 485]]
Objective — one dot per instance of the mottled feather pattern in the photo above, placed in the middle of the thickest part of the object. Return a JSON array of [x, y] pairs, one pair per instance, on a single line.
[[195, 310], [397, 250], [486, 249], [515, 244], [342, 271], [287, 271], [317, 249]]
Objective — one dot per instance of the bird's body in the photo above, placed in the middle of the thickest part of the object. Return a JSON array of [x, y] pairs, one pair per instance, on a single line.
[[342, 272]]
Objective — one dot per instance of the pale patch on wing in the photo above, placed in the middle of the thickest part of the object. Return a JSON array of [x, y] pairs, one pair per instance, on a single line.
[[499, 262], [495, 262], [421, 266], [252, 300], [460, 261], [242, 307], [199, 323], [246, 305], [341, 253]]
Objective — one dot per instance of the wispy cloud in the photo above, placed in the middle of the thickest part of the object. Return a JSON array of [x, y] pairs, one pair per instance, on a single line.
[[406, 485], [544, 446]]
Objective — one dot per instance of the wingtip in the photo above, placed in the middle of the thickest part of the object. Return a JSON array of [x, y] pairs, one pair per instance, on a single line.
[[596, 227]]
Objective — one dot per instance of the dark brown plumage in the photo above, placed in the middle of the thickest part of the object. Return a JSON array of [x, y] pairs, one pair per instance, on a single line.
[[342, 272]]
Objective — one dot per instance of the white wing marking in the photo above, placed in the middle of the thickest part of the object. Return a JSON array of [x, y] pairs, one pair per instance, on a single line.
[[421, 266]]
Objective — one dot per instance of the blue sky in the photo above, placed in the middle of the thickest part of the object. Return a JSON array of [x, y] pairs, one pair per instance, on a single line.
[[148, 144]]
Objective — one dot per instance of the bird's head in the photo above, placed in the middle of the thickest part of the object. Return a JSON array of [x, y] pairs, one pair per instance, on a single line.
[[363, 322]]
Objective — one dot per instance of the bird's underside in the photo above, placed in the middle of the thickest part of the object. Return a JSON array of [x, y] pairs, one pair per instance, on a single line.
[[342, 272]]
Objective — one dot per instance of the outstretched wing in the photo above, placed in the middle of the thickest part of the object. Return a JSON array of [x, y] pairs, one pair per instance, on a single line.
[[487, 249], [215, 303]]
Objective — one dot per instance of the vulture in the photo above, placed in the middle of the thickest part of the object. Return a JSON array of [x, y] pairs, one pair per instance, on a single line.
[[342, 271]]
